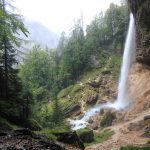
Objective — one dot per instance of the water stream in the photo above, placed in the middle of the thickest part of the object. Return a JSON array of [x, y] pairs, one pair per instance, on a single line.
[[122, 100]]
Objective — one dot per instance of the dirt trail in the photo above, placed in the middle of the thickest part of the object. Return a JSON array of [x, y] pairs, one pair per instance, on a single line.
[[123, 136]]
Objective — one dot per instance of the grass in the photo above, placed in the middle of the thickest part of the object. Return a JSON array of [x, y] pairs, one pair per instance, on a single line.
[[101, 137], [49, 132], [135, 148], [80, 131]]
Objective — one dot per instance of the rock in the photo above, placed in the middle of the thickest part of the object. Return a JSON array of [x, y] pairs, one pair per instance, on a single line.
[[70, 138], [72, 110], [87, 136], [92, 99], [22, 131], [101, 102], [108, 118], [3, 133], [141, 11], [147, 118], [106, 72], [94, 126], [147, 126], [136, 126], [94, 84], [90, 121]]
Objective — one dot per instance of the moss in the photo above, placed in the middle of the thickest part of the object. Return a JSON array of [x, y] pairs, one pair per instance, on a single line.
[[80, 131], [76, 88], [135, 148], [49, 132], [63, 93], [101, 137]]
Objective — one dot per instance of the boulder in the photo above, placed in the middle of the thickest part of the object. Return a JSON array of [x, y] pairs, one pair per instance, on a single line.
[[72, 110], [22, 131], [136, 126], [92, 99], [70, 138], [94, 84], [94, 126], [86, 136]]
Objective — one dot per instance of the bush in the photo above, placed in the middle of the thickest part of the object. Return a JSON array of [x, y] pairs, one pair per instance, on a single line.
[[107, 119], [86, 135]]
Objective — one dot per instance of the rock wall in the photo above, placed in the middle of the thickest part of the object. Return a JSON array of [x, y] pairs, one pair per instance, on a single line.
[[141, 12]]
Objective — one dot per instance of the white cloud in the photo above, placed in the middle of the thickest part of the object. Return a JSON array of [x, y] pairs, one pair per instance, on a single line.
[[59, 15]]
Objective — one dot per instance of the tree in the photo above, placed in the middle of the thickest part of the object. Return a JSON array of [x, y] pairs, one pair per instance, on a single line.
[[10, 25]]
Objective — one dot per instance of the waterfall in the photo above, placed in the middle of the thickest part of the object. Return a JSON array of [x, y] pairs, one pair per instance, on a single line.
[[128, 58], [122, 101]]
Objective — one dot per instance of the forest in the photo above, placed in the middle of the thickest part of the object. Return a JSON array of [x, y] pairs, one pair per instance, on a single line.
[[36, 91]]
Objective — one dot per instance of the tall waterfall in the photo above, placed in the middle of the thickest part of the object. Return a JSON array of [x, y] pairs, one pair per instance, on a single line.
[[122, 101], [128, 58]]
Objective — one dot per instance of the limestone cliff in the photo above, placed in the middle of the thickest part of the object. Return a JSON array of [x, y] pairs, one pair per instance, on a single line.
[[141, 12]]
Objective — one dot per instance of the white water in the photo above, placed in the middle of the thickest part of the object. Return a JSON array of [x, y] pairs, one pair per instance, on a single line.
[[128, 58], [122, 100]]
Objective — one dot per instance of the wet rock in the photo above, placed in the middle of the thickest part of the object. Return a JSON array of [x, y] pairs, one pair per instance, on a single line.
[[87, 136], [72, 110], [90, 121], [70, 138], [101, 102], [92, 99], [94, 126]]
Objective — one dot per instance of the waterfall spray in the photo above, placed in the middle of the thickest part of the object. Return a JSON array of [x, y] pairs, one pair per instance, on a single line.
[[128, 58]]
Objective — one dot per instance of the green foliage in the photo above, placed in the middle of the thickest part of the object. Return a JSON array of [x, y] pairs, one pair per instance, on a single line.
[[80, 131], [101, 137], [49, 132], [107, 119], [63, 93], [135, 148]]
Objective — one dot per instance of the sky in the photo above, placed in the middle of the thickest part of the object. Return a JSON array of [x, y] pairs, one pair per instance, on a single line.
[[60, 15]]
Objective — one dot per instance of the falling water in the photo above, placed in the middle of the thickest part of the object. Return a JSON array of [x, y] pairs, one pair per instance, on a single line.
[[128, 58], [121, 101]]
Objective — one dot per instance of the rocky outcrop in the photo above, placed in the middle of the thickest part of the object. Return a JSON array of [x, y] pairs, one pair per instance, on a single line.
[[70, 138], [72, 110], [141, 11], [87, 136], [24, 139]]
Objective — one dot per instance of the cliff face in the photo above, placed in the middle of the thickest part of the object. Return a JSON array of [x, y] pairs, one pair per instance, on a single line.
[[141, 12], [138, 79]]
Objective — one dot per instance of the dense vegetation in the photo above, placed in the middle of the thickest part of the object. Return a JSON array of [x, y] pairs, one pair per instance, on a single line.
[[45, 72]]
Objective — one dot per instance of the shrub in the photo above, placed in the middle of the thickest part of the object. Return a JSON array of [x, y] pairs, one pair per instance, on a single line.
[[107, 119]]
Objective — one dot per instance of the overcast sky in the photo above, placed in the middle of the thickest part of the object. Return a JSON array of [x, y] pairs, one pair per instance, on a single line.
[[59, 15]]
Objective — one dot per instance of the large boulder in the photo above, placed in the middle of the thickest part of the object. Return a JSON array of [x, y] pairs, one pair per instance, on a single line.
[[70, 138], [73, 110], [86, 135]]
